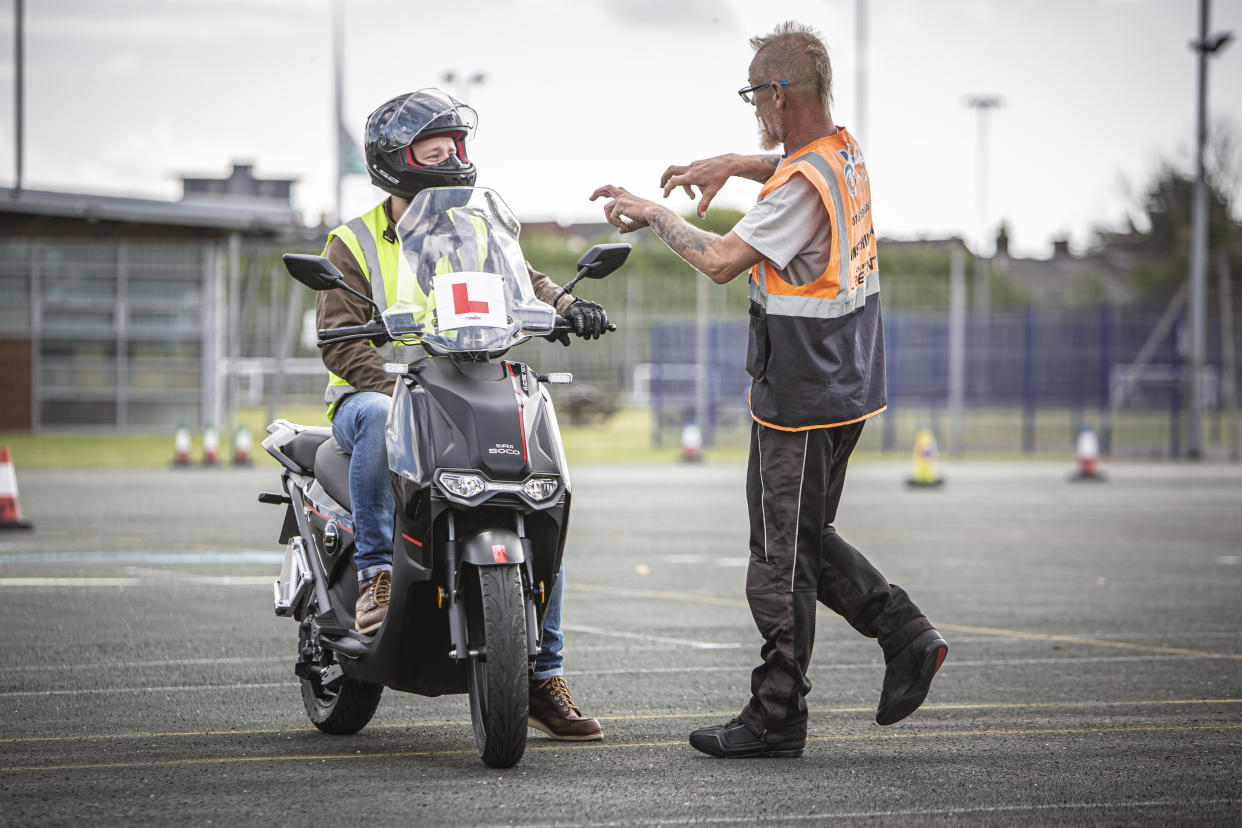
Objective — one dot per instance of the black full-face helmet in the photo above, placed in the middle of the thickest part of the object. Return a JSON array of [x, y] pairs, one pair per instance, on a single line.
[[400, 122]]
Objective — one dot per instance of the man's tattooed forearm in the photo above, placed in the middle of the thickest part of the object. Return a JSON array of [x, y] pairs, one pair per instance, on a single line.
[[762, 170], [679, 236]]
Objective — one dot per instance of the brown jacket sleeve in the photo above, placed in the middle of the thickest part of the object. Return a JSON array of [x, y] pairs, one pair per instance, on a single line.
[[355, 362], [546, 290]]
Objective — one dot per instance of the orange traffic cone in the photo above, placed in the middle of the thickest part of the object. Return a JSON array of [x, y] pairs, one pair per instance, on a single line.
[[1088, 456], [10, 512]]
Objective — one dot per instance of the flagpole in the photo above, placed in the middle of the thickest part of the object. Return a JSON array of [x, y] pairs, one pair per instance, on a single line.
[[338, 114], [19, 67]]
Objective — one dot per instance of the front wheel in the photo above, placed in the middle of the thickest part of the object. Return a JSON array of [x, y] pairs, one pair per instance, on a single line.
[[499, 673]]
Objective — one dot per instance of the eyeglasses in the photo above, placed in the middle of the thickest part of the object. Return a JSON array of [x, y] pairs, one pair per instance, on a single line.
[[747, 95]]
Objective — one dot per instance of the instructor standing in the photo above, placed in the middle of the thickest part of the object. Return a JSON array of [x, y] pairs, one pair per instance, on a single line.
[[816, 360]]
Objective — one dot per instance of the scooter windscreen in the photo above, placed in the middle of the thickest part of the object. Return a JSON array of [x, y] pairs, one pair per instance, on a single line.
[[462, 281]]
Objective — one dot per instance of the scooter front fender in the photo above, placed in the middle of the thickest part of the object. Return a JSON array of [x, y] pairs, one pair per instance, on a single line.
[[493, 547]]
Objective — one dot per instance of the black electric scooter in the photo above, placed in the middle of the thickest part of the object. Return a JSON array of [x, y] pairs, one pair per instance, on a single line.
[[479, 475]]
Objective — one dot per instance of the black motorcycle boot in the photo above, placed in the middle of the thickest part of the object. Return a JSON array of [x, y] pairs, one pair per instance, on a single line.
[[372, 603], [734, 740], [908, 677]]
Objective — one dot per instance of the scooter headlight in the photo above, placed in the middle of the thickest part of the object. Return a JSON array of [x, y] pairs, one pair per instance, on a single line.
[[462, 485], [540, 488]]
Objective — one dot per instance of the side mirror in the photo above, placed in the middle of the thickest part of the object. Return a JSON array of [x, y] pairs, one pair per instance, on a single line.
[[602, 259], [316, 272]]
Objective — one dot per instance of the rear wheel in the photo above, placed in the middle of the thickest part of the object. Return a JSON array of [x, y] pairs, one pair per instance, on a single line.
[[334, 703], [499, 683]]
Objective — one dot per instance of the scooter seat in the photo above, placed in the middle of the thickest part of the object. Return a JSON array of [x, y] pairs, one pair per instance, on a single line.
[[332, 472], [301, 449]]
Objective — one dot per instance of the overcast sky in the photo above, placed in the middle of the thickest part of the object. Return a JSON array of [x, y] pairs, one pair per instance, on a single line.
[[124, 96]]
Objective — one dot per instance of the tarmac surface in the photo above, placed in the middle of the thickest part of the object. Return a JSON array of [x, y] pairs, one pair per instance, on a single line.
[[1094, 674]]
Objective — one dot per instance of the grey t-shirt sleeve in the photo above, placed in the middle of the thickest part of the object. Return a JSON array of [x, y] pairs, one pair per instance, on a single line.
[[784, 221]]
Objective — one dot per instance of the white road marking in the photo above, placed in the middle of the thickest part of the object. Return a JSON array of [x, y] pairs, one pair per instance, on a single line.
[[137, 556], [104, 581], [695, 645]]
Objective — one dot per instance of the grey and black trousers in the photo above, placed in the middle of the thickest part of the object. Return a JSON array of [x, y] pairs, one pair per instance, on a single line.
[[794, 481]]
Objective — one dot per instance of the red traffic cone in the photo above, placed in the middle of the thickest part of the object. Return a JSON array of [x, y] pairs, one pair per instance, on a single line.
[[10, 513]]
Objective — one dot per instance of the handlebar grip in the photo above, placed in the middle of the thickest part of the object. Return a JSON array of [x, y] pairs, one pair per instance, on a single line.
[[352, 330]]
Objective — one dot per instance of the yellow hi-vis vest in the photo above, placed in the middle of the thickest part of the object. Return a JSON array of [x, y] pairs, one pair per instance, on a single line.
[[816, 349], [360, 235]]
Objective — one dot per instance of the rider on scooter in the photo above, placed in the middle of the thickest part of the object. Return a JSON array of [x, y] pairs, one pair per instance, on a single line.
[[412, 142]]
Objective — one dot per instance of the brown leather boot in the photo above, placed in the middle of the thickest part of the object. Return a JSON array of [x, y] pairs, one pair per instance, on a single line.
[[372, 603], [553, 712]]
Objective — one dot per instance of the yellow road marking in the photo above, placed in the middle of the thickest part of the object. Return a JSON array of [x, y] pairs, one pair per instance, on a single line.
[[847, 737], [708, 716], [1059, 639]]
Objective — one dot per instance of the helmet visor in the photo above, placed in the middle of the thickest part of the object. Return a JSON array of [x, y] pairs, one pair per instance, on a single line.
[[421, 110]]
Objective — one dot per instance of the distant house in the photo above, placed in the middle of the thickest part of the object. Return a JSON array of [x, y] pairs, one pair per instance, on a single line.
[[579, 233], [1065, 279], [113, 310], [241, 187]]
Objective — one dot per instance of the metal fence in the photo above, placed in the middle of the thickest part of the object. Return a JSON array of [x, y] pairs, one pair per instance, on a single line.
[[1033, 379]]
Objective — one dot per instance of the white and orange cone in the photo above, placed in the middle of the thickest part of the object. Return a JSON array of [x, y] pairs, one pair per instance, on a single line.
[[10, 512], [181, 447], [242, 447], [691, 444], [1088, 456], [211, 446]]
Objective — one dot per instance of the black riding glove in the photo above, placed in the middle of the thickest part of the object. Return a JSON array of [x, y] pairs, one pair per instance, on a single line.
[[588, 318]]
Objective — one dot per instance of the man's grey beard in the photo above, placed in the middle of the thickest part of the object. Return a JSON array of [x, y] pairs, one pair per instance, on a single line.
[[771, 136]]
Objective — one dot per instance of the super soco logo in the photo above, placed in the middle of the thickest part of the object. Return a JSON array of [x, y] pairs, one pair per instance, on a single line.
[[504, 448]]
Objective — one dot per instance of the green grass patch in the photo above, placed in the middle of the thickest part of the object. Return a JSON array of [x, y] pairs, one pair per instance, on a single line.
[[625, 437]]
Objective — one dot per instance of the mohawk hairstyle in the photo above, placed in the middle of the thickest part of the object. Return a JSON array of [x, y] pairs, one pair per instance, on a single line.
[[796, 52]]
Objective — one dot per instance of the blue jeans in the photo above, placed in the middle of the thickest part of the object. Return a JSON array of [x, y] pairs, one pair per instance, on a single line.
[[358, 427]]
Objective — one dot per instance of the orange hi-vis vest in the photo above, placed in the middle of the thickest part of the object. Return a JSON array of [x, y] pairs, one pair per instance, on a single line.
[[816, 349]]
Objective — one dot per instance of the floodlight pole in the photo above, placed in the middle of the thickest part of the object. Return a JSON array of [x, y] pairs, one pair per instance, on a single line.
[[1205, 47], [982, 104], [860, 61]]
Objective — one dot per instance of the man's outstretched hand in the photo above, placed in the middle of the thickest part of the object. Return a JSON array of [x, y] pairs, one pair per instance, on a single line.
[[708, 174], [626, 212]]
